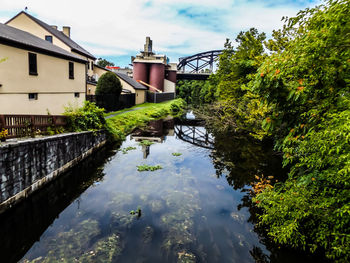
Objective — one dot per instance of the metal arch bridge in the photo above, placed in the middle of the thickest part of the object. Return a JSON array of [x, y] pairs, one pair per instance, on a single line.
[[196, 63], [194, 135]]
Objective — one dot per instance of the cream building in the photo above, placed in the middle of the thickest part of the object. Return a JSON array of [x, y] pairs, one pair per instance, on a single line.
[[131, 85], [50, 33], [62, 39], [36, 76]]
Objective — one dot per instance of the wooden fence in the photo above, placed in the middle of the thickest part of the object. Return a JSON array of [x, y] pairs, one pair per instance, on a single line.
[[28, 125]]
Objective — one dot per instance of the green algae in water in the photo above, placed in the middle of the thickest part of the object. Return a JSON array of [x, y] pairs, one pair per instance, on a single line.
[[127, 149], [147, 235], [180, 221], [145, 167], [145, 143], [105, 250], [68, 245], [137, 212], [185, 257]]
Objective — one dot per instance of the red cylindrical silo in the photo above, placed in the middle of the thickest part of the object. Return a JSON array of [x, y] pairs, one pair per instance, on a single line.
[[140, 71], [156, 76], [171, 75]]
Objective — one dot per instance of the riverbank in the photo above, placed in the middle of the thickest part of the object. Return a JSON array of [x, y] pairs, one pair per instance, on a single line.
[[27, 166], [123, 122]]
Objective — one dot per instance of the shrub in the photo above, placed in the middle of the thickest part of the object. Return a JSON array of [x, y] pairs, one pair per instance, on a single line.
[[88, 117], [108, 83]]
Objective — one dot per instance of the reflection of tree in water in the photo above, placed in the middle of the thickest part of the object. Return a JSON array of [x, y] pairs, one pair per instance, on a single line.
[[240, 157]]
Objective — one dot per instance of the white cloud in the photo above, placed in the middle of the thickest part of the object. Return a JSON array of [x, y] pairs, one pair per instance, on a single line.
[[182, 27]]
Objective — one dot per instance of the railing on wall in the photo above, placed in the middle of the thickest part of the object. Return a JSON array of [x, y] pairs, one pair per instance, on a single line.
[[155, 97], [110, 102], [27, 125]]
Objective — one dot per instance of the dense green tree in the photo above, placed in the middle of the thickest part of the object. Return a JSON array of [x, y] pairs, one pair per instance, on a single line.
[[238, 107], [307, 84], [195, 92], [103, 62], [108, 83], [298, 91]]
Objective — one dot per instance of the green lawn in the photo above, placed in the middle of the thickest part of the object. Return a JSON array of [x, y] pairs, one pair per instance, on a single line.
[[134, 107], [126, 120]]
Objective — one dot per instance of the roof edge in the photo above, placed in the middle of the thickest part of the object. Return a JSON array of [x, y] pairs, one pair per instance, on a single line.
[[81, 53], [14, 17], [16, 44], [97, 66], [54, 33]]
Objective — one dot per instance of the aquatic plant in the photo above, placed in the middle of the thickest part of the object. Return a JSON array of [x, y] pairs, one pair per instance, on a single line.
[[145, 167], [145, 143], [147, 235], [185, 257], [137, 212], [105, 250], [176, 154], [125, 150]]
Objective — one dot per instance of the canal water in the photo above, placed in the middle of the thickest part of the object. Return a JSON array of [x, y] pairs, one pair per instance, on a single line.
[[195, 209]]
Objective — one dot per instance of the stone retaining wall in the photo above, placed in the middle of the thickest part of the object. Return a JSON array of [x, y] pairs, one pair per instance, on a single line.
[[26, 166]]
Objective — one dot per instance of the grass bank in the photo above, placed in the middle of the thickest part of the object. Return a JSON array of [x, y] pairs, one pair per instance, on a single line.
[[119, 126]]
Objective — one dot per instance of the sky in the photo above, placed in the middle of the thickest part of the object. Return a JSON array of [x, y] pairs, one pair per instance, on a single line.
[[116, 30]]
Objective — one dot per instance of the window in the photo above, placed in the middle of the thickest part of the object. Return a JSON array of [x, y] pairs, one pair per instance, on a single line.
[[92, 65], [48, 38], [76, 94], [71, 70], [33, 69], [33, 96], [88, 65]]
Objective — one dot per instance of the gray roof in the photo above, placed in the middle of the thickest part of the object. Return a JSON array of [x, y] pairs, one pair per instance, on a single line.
[[21, 39], [126, 91], [68, 41], [131, 81]]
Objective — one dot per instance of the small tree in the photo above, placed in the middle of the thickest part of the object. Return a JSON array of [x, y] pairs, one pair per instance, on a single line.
[[104, 62], [108, 83]]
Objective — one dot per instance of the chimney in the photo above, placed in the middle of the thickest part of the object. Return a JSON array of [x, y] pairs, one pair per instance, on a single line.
[[66, 31], [148, 46], [54, 27]]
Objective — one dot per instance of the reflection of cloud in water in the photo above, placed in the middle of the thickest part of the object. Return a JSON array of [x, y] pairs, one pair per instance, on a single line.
[[182, 212]]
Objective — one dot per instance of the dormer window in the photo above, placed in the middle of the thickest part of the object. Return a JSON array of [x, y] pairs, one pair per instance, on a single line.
[[48, 38]]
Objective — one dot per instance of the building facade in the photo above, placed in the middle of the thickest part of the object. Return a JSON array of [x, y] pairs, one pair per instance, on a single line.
[[37, 77], [50, 33], [154, 70]]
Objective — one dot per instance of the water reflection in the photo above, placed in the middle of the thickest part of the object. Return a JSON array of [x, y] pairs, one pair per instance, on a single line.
[[156, 131], [192, 131], [193, 210], [22, 226], [239, 158]]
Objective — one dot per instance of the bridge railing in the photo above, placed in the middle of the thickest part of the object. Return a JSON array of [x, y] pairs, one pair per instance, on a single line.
[[199, 61]]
